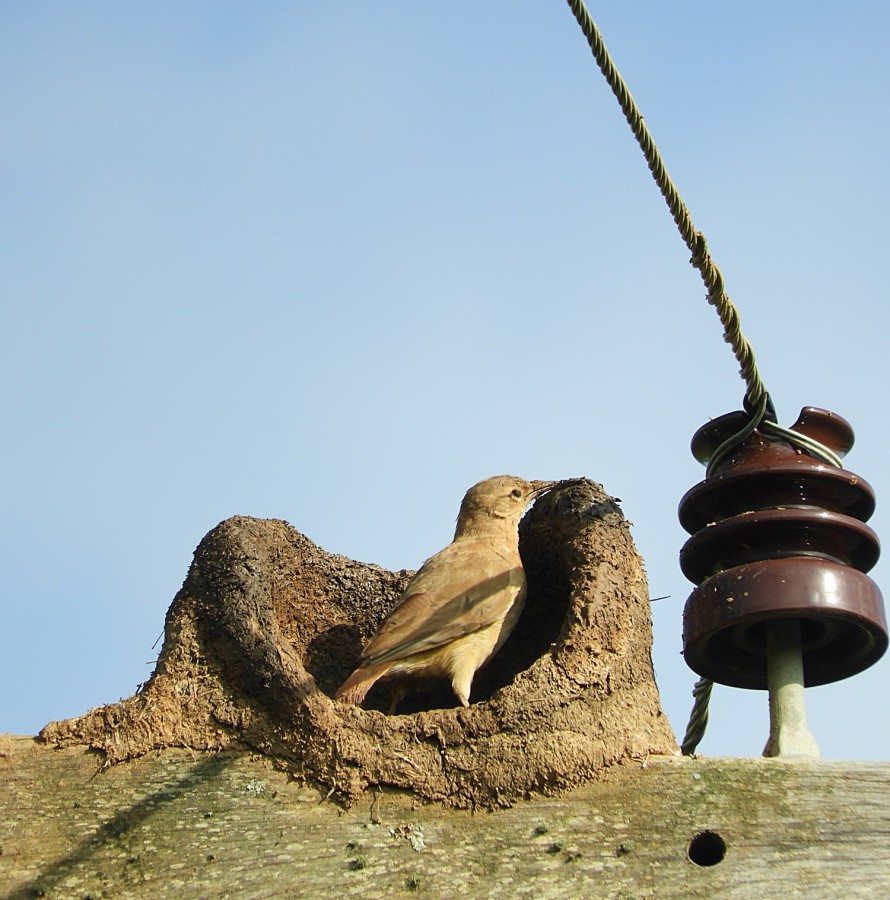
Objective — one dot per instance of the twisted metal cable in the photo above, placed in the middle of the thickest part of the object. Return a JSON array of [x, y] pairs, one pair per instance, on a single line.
[[698, 719], [695, 240]]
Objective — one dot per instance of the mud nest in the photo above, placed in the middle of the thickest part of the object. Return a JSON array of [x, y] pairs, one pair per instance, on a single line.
[[267, 625]]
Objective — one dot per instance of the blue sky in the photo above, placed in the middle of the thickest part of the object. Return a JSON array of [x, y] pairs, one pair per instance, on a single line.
[[334, 263]]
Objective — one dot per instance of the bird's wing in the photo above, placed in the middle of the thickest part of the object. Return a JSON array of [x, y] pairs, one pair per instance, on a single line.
[[459, 590]]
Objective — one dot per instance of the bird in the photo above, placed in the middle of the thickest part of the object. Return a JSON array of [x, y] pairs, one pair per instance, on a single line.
[[461, 605]]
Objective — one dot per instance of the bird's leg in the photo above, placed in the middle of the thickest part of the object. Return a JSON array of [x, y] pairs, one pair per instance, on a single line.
[[398, 690], [462, 682]]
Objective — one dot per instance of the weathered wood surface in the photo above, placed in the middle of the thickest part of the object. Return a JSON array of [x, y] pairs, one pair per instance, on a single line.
[[227, 824]]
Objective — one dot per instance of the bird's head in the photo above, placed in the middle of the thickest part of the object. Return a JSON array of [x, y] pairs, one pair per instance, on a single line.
[[502, 499]]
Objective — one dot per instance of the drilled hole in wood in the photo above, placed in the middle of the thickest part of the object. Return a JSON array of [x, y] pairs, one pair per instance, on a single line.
[[707, 848]]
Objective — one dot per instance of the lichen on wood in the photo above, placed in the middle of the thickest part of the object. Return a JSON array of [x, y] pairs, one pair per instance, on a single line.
[[267, 625]]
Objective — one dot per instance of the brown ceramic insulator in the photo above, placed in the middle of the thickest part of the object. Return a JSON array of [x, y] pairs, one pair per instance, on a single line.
[[830, 429], [841, 612], [800, 481], [777, 532]]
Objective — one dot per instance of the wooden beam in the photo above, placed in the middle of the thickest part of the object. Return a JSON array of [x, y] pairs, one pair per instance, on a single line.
[[179, 823]]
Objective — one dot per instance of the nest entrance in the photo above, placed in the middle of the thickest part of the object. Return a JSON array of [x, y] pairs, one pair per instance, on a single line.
[[267, 626]]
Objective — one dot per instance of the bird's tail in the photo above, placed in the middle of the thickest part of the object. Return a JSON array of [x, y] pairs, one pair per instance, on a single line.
[[361, 681]]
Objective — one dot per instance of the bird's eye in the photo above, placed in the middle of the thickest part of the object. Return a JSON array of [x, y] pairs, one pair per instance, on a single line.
[[516, 493]]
